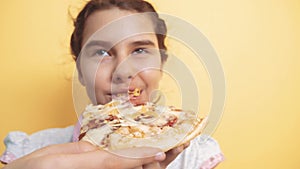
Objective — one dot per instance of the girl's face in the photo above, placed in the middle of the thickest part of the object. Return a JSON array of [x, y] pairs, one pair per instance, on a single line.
[[119, 58]]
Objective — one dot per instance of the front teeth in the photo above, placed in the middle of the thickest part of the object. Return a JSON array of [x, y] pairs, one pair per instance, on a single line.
[[125, 96], [120, 96]]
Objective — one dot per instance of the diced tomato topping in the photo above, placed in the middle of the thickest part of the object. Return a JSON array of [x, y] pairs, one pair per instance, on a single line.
[[81, 135], [111, 118], [172, 121]]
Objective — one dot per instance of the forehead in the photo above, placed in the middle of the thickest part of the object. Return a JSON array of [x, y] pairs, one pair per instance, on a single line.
[[114, 25]]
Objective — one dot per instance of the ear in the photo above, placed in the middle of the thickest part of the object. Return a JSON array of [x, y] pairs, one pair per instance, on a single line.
[[80, 77]]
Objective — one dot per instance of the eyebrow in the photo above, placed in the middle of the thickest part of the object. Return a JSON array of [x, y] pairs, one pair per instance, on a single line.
[[143, 43], [98, 43], [108, 44]]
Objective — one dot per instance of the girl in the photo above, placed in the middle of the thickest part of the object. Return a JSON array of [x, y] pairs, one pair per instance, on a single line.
[[115, 51]]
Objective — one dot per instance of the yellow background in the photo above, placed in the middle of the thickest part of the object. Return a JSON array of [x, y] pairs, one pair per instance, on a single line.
[[257, 41]]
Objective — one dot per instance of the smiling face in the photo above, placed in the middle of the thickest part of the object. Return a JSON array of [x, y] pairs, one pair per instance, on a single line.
[[120, 54]]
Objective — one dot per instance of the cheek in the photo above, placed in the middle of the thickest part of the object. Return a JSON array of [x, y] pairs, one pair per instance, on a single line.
[[98, 80], [151, 78], [103, 79]]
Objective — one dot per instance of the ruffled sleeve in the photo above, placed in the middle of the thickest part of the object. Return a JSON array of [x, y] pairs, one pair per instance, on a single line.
[[19, 143], [203, 153]]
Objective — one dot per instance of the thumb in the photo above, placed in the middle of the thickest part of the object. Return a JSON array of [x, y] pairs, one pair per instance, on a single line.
[[68, 148], [126, 158]]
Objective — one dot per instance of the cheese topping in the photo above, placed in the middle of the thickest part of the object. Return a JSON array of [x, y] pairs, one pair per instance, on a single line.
[[136, 92], [144, 121]]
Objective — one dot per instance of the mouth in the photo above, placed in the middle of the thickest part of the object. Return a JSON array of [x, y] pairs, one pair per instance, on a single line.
[[132, 94], [135, 92]]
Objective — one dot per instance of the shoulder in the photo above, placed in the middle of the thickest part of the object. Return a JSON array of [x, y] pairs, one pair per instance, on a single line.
[[19, 143], [204, 152]]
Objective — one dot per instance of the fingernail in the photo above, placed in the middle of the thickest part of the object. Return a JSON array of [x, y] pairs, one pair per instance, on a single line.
[[160, 156]]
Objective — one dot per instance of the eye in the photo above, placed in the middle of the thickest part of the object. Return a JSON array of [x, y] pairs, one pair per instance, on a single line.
[[140, 51], [102, 53]]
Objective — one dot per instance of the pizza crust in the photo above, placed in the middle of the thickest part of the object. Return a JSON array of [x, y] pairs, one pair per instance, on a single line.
[[164, 141], [198, 128]]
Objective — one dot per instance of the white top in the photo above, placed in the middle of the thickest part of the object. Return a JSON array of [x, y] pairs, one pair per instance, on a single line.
[[203, 152]]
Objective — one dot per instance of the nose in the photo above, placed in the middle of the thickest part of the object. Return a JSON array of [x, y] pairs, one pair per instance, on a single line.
[[124, 72], [122, 77]]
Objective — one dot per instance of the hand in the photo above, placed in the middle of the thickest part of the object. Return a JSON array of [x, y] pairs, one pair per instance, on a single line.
[[171, 155], [80, 155]]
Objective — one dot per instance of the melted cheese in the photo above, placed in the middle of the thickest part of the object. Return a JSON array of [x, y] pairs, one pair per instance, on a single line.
[[140, 122]]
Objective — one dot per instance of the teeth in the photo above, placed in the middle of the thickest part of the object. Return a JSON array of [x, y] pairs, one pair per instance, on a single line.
[[120, 94]]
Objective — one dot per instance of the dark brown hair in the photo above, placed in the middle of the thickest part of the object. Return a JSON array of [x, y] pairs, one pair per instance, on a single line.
[[139, 6]]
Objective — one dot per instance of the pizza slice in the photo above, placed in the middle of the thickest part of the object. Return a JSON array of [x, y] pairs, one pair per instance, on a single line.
[[119, 124]]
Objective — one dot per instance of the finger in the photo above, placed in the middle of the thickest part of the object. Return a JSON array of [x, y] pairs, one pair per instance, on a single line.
[[154, 165], [185, 145], [102, 159], [68, 148], [171, 155]]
